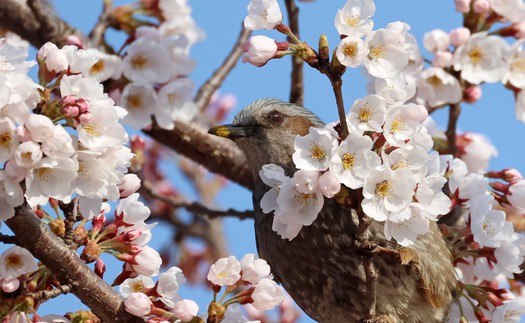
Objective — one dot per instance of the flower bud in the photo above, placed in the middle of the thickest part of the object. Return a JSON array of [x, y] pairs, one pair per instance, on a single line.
[[459, 36], [472, 94], [329, 184], [185, 310], [481, 6], [129, 184], [259, 50], [100, 268], [138, 304], [462, 5], [442, 59]]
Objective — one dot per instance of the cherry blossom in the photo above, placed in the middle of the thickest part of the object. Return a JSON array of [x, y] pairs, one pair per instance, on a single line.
[[351, 51], [482, 58], [146, 262], [170, 281], [263, 14], [225, 271], [354, 18], [313, 151], [16, 261], [386, 53], [353, 159], [267, 295], [135, 285], [253, 268], [437, 87], [368, 113], [436, 40]]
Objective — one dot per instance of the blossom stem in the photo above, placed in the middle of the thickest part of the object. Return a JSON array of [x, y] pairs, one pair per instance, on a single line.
[[455, 110]]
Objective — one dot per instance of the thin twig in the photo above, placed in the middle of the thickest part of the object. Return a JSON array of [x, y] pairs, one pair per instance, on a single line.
[[69, 222], [49, 294], [455, 110], [371, 282], [203, 97], [97, 33], [197, 208], [297, 84], [8, 239]]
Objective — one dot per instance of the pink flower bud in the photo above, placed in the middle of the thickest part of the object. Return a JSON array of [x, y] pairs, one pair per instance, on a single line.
[[185, 310], [481, 6], [138, 144], [84, 118], [472, 94], [442, 59], [100, 268], [516, 194], [22, 134], [75, 41], [9, 285], [70, 111], [67, 100], [130, 184], [459, 36], [138, 304], [329, 184], [259, 50], [462, 5], [55, 60], [519, 30]]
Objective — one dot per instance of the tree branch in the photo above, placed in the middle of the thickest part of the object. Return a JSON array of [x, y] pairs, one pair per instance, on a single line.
[[455, 110], [48, 294], [297, 84], [217, 154], [94, 292], [8, 239], [203, 97], [34, 21], [197, 208], [371, 281]]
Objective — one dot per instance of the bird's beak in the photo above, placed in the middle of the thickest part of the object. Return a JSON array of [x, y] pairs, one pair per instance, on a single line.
[[232, 131]]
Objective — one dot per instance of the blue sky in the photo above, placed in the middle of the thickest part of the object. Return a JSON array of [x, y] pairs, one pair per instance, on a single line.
[[492, 116]]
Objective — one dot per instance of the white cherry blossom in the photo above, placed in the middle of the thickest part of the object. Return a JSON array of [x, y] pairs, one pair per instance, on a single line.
[[143, 65], [253, 268], [225, 271], [8, 142], [147, 262], [27, 154], [16, 261], [396, 89], [437, 87], [263, 14], [351, 51], [368, 113], [402, 122], [386, 190], [135, 285], [482, 59], [354, 18], [51, 178], [353, 159], [386, 53], [185, 310], [267, 295], [313, 151], [516, 73], [273, 176], [436, 40], [170, 281], [141, 103]]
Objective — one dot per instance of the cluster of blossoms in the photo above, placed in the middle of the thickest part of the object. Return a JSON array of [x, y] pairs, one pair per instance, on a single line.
[[388, 154], [156, 82], [59, 138], [477, 55], [250, 277]]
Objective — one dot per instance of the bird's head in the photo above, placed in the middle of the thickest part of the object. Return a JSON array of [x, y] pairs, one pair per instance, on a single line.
[[265, 131]]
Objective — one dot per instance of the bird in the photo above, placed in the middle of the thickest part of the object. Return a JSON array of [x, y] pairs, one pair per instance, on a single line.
[[320, 268]]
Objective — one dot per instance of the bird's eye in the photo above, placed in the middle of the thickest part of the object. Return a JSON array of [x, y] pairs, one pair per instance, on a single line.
[[275, 117]]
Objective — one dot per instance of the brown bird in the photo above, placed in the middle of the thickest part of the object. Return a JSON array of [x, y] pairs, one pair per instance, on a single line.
[[321, 268]]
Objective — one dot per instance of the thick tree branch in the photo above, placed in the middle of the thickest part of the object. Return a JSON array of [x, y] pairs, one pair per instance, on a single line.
[[217, 154], [35, 21], [203, 97], [101, 298], [297, 84]]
